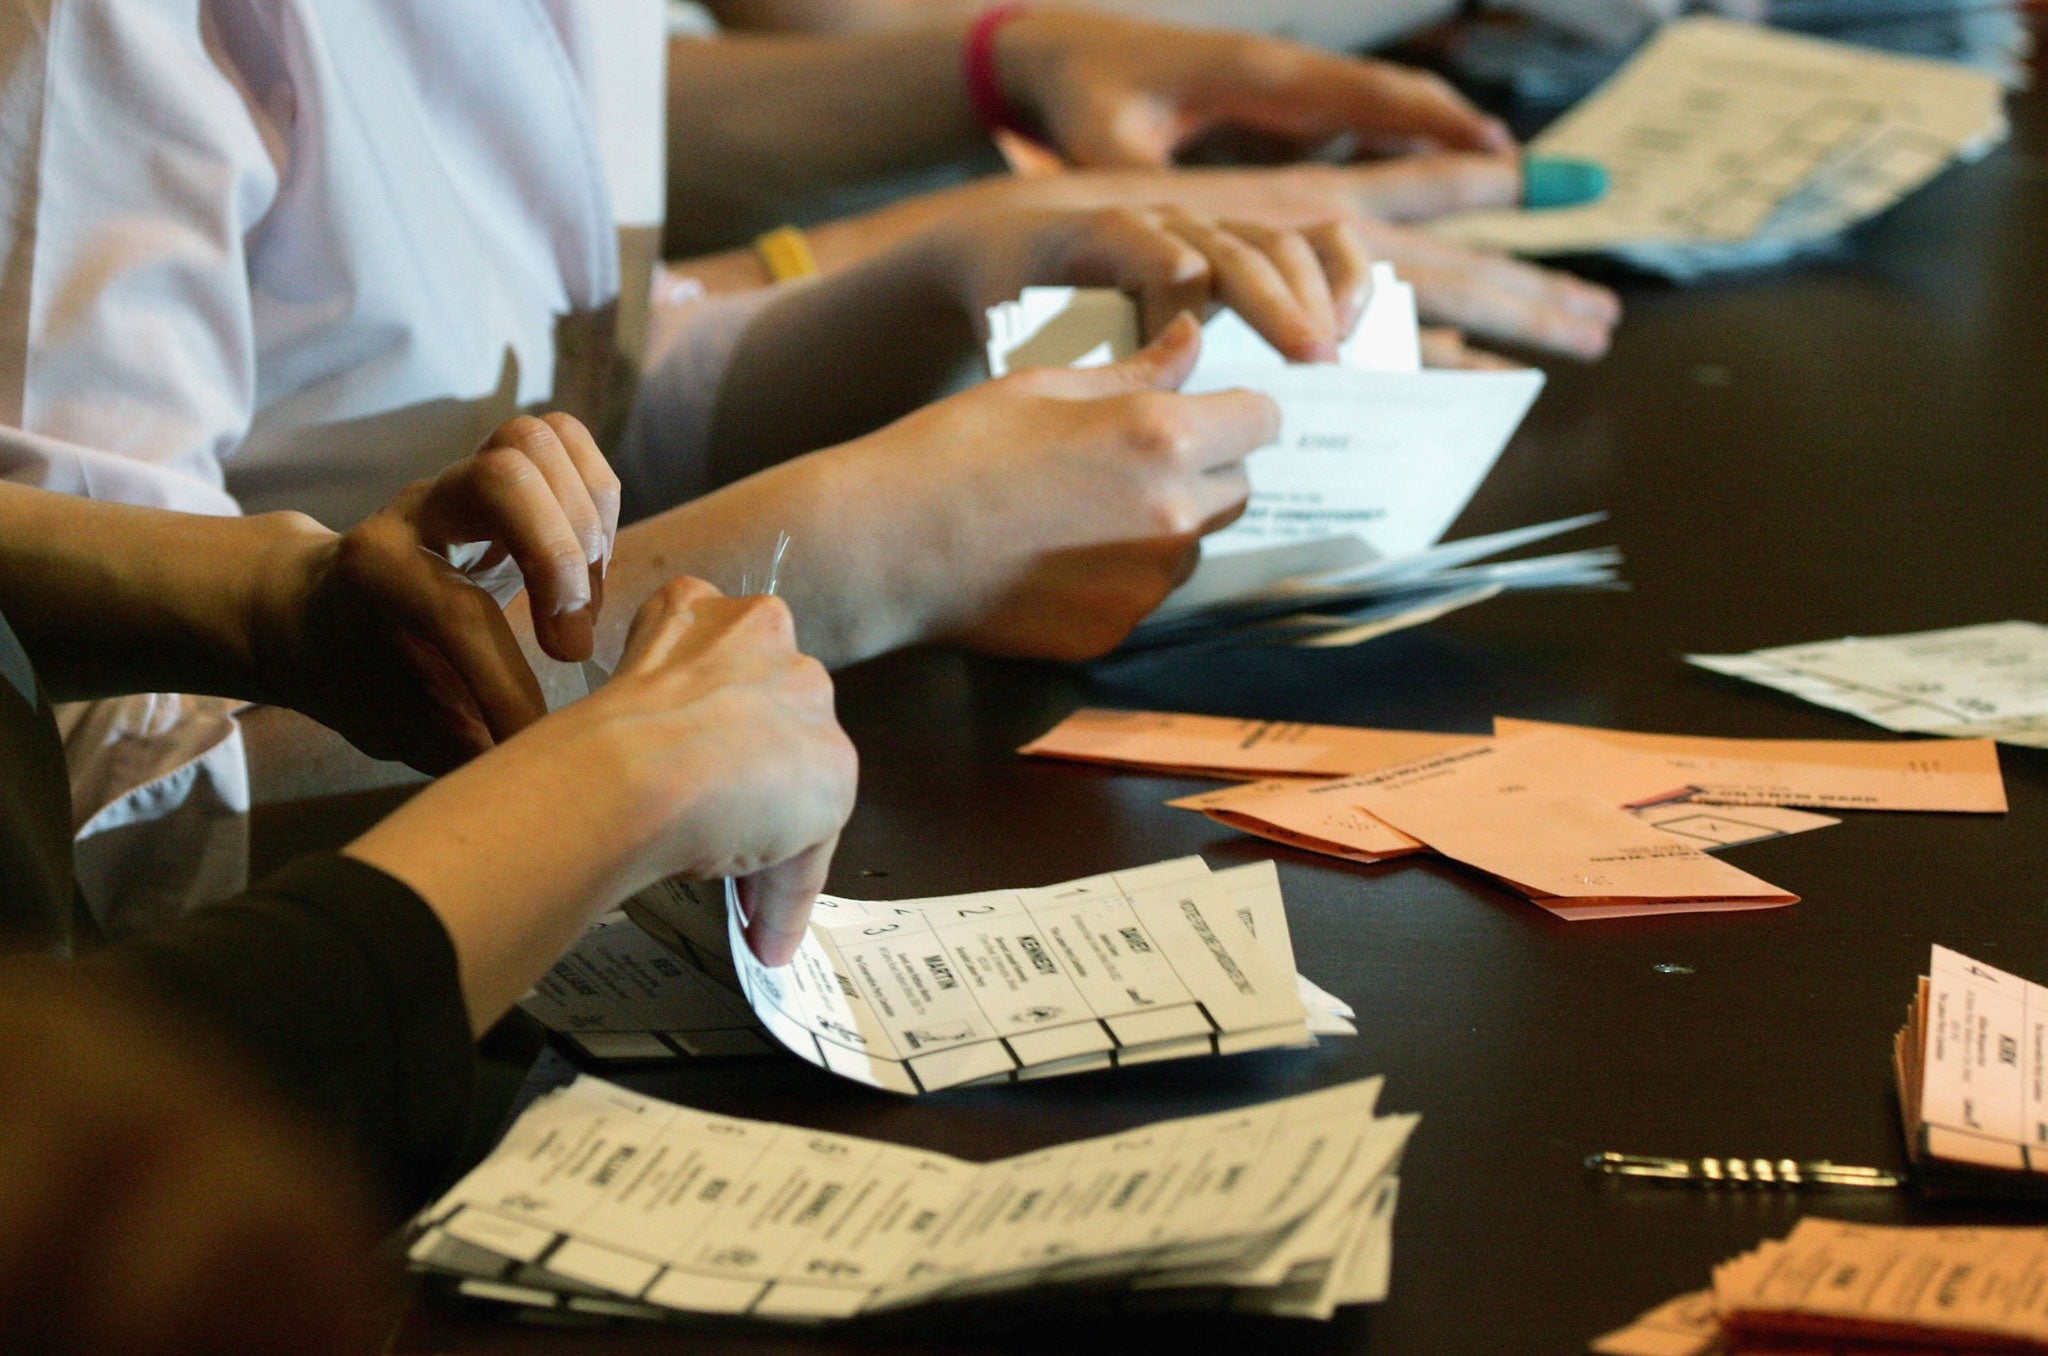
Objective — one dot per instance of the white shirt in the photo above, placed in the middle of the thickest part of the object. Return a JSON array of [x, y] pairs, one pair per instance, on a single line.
[[261, 254]]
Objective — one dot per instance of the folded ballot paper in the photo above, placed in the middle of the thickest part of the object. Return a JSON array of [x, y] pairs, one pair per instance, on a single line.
[[1160, 962], [1971, 682], [1972, 1067], [615, 1204], [1730, 145], [1841, 1288], [1376, 458], [1586, 823]]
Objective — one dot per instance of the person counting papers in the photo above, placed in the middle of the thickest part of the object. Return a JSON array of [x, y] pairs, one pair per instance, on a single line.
[[1375, 459]]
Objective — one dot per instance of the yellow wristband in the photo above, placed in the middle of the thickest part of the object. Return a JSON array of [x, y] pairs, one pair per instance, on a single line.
[[786, 254]]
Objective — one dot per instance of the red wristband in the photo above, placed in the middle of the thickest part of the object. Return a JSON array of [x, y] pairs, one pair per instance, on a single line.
[[978, 58]]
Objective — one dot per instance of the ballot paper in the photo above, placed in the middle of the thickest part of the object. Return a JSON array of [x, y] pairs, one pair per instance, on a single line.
[[1318, 816], [1972, 682], [1160, 962], [1841, 1288], [1173, 744], [1825, 774], [1375, 459], [1545, 813], [1972, 1069], [605, 1200], [1731, 145]]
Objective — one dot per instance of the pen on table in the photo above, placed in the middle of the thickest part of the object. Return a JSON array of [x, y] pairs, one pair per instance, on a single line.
[[1784, 1173]]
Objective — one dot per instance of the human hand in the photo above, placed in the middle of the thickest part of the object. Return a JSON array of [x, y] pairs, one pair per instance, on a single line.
[[1303, 289], [1111, 91], [1492, 296], [393, 635], [152, 1202], [1047, 513], [772, 773]]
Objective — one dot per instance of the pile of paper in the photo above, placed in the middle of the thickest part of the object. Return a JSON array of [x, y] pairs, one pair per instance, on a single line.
[[1586, 823], [1844, 1288], [1730, 145], [1972, 682], [1375, 460], [1972, 1067], [608, 1202], [1160, 962]]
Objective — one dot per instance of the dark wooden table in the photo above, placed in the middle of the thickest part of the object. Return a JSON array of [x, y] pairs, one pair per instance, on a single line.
[[1855, 445]]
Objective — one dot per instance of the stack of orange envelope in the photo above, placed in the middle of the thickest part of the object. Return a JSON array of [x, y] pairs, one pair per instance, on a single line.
[[1587, 823]]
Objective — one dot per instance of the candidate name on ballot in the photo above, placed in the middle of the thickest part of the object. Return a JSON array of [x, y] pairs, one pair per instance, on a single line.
[[1375, 460], [605, 1200], [1160, 962], [1730, 145], [1988, 682], [1972, 1066]]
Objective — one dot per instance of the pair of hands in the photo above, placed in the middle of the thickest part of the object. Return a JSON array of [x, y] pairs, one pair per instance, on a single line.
[[1115, 94], [714, 750]]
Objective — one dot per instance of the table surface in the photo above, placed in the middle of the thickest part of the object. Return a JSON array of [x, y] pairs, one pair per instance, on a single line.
[[1851, 446]]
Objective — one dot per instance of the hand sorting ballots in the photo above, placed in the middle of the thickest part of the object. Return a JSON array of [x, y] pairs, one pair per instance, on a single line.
[[382, 635]]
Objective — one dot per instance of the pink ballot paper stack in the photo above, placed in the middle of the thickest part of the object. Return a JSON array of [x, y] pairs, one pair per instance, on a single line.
[[1837, 1288], [1587, 823]]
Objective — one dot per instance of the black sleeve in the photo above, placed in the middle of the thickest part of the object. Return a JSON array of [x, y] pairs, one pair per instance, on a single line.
[[342, 984]]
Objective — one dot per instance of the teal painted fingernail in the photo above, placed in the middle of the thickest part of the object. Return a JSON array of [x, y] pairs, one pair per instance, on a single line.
[[1555, 181]]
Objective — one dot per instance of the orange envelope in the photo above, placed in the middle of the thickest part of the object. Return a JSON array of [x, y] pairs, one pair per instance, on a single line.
[[1310, 815], [1958, 775], [1525, 810], [1223, 746]]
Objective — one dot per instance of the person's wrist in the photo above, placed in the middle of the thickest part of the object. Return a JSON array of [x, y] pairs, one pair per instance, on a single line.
[[264, 613], [1002, 69]]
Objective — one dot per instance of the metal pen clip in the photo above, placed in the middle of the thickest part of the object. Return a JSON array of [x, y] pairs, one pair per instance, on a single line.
[[1780, 1173]]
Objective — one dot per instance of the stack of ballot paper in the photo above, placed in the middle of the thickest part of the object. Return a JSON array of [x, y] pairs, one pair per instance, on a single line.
[[1375, 459], [603, 1201], [1587, 823], [1972, 1066], [1730, 145], [1972, 682], [1844, 1288], [1159, 962]]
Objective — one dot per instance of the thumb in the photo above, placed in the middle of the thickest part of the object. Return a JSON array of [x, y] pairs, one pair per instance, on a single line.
[[1422, 187], [1161, 365]]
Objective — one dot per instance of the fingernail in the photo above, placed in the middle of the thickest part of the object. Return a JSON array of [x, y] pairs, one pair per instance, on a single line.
[[1498, 135], [1556, 181], [575, 593], [593, 546]]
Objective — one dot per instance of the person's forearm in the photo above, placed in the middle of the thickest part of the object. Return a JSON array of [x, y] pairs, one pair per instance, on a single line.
[[761, 126], [842, 356], [1344, 25], [109, 598]]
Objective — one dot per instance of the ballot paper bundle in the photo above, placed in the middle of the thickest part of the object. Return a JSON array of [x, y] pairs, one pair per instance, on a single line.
[[1376, 458], [1730, 145], [1972, 1067], [1971, 682], [1842, 1288], [1586, 823], [1159, 962], [604, 1201]]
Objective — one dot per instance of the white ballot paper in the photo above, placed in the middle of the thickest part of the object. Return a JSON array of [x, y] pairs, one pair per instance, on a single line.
[[1160, 962], [1972, 682], [1981, 1095], [1730, 145], [1376, 458], [605, 1200]]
